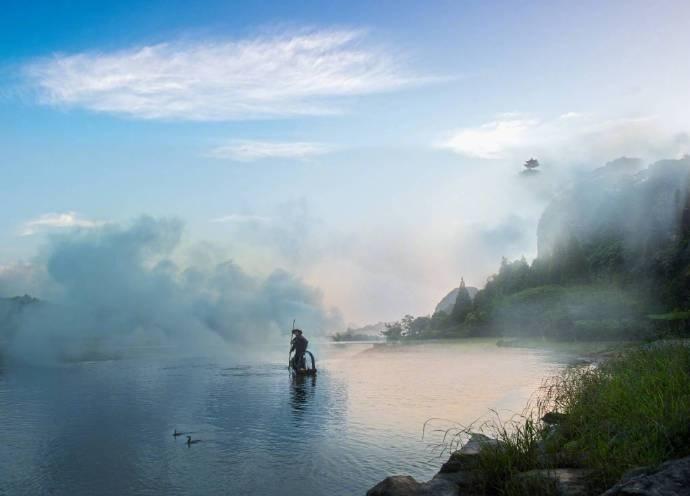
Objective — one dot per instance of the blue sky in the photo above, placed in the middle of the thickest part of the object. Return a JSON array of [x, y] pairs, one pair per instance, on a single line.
[[372, 148]]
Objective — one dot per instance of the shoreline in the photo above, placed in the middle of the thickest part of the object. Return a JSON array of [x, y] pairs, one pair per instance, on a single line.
[[566, 470]]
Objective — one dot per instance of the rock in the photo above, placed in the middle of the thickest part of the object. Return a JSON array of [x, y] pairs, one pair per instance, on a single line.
[[448, 301], [462, 479], [452, 466], [554, 418], [404, 485], [670, 479], [456, 474], [466, 458], [567, 481]]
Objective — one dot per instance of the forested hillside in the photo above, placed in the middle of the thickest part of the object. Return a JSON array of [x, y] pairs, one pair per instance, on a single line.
[[613, 262]]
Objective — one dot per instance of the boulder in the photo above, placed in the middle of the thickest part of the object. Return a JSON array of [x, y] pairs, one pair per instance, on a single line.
[[566, 481], [670, 479], [455, 475], [462, 479], [553, 418], [466, 458], [404, 485]]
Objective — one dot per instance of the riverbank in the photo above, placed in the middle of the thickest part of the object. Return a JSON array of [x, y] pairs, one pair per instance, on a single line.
[[581, 435]]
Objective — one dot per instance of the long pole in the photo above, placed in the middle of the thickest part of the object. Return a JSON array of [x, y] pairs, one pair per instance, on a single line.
[[289, 352]]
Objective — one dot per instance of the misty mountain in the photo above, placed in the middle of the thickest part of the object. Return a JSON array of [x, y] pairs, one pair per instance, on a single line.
[[11, 311], [447, 302], [613, 263], [639, 207]]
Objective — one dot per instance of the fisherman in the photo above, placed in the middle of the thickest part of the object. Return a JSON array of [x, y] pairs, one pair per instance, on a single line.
[[298, 344]]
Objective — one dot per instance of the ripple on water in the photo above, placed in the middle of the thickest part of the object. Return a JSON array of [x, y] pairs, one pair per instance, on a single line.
[[106, 427]]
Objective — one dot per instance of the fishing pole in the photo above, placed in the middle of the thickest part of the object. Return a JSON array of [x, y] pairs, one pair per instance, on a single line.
[[290, 352]]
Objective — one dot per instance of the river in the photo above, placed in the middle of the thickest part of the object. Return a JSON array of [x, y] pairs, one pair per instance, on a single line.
[[105, 427]]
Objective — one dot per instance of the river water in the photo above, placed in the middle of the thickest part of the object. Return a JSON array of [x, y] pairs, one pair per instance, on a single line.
[[105, 428]]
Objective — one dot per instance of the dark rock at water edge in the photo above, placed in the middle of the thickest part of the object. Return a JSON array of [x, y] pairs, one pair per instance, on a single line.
[[454, 478], [404, 485], [670, 479]]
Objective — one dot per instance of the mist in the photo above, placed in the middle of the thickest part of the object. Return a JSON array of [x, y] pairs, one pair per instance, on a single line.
[[114, 287]]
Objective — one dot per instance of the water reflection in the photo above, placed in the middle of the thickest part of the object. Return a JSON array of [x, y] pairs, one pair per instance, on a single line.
[[302, 390], [77, 429]]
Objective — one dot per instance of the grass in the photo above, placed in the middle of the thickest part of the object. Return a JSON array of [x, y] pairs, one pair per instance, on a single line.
[[631, 411]]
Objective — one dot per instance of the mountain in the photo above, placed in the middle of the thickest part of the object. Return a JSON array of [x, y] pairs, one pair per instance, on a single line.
[[613, 263], [11, 310], [619, 200], [447, 302]]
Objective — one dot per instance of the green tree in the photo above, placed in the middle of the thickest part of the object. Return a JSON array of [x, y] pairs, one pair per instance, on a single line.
[[463, 304], [394, 331], [419, 327]]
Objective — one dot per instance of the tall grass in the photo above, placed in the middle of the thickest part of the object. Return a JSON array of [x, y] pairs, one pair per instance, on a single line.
[[631, 411]]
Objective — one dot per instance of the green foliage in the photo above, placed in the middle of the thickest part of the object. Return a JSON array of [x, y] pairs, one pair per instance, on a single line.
[[573, 313], [631, 411], [394, 331], [463, 304], [599, 287], [408, 327], [671, 316], [518, 452]]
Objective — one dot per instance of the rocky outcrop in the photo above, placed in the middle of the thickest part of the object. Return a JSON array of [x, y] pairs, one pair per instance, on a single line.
[[466, 458], [670, 479], [454, 478], [447, 302], [404, 485]]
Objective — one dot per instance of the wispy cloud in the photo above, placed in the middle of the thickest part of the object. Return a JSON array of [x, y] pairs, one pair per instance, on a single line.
[[241, 219], [56, 220], [301, 73], [247, 151], [571, 136]]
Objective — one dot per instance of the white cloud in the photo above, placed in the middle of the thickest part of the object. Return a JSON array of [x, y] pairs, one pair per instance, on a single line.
[[269, 76], [58, 221], [241, 219], [247, 151], [571, 137], [490, 140]]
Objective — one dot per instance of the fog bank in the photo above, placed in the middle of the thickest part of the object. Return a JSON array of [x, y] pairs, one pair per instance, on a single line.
[[118, 286]]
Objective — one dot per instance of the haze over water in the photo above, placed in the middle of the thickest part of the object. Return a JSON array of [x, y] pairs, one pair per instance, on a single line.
[[106, 427]]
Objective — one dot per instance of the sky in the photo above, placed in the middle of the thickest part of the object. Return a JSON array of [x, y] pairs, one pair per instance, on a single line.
[[370, 149]]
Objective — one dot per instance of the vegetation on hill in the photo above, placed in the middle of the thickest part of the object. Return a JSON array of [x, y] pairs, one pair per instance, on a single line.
[[614, 260]]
